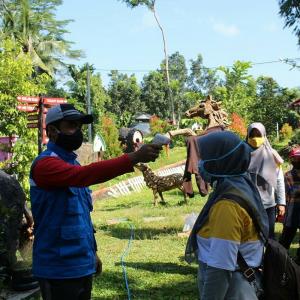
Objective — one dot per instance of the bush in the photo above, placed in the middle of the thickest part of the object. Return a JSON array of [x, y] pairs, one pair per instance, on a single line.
[[110, 133], [159, 126], [286, 131], [238, 125]]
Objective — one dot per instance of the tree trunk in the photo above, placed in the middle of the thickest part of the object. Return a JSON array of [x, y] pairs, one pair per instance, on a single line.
[[166, 64]]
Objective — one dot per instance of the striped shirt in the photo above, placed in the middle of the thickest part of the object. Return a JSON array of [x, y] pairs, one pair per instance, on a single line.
[[229, 229]]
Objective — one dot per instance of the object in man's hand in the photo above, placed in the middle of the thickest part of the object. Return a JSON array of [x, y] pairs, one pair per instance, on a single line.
[[160, 139]]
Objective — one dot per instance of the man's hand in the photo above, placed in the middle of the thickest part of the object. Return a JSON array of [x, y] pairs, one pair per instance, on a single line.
[[98, 265], [148, 152], [281, 210]]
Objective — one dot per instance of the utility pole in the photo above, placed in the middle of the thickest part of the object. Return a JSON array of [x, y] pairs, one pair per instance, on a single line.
[[88, 100]]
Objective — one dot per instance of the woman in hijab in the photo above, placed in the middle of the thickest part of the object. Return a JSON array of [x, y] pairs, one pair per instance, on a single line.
[[225, 228], [266, 172]]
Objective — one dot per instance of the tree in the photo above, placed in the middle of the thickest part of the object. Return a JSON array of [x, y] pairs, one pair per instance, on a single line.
[[237, 90], [150, 4], [177, 68], [177, 84], [271, 104], [290, 11], [15, 80], [32, 24], [125, 93], [77, 87], [154, 94], [202, 79]]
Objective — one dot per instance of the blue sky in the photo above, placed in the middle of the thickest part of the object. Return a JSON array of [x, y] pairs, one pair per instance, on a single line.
[[114, 36]]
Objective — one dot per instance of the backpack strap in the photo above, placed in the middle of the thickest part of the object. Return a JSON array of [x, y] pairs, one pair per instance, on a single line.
[[248, 272]]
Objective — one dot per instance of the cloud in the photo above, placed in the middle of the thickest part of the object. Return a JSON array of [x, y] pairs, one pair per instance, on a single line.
[[224, 29]]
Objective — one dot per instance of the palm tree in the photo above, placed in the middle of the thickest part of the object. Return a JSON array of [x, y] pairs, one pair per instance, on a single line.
[[32, 24]]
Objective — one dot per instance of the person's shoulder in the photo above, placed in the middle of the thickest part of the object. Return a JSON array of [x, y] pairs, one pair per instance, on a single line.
[[228, 206]]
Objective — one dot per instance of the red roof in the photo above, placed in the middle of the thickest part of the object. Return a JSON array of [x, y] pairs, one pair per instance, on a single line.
[[296, 102]]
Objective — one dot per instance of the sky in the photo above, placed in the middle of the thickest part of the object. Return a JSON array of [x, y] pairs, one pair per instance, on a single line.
[[113, 36]]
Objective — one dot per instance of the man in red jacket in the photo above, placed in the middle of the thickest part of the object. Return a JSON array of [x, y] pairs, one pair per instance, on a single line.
[[64, 250]]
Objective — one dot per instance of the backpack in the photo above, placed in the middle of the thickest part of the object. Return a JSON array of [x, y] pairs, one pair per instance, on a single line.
[[281, 275]]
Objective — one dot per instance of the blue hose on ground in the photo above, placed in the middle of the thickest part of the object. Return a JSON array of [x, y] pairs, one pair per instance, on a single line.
[[125, 253]]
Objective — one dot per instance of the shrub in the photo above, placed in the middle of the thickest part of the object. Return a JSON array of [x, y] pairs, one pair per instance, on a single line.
[[286, 131], [159, 126], [238, 125], [110, 133]]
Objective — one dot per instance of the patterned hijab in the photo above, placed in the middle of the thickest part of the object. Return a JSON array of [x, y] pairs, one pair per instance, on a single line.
[[264, 159]]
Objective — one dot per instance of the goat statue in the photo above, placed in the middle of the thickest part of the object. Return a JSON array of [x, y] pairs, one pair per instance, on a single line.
[[160, 184]]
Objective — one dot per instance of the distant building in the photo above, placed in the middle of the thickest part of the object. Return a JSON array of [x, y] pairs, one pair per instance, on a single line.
[[142, 123], [296, 105]]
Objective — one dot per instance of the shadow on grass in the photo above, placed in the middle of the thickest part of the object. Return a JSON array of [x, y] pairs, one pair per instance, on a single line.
[[124, 232], [170, 268], [111, 285], [121, 206]]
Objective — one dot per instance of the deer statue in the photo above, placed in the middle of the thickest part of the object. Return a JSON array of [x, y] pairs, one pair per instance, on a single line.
[[160, 184]]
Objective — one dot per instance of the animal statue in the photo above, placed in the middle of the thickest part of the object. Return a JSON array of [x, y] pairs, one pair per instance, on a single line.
[[160, 184], [211, 110]]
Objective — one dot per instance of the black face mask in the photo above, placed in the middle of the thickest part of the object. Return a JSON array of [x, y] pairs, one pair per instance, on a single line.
[[69, 142], [296, 165]]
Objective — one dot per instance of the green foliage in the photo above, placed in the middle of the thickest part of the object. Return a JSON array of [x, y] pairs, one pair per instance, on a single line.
[[289, 10], [16, 79], [237, 90], [32, 24], [295, 140], [177, 68], [286, 131], [155, 94], [159, 126], [125, 93], [202, 79], [271, 104], [110, 135], [78, 87], [134, 3]]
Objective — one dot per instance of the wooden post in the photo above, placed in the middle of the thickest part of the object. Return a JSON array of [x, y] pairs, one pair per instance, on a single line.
[[40, 124]]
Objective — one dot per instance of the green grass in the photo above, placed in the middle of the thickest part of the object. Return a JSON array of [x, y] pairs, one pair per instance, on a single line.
[[176, 154], [154, 265]]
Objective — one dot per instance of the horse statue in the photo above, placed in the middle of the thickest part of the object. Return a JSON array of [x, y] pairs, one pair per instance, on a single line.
[[211, 110], [217, 121]]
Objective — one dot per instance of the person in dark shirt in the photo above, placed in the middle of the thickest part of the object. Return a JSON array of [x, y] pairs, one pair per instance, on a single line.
[[292, 216], [64, 249]]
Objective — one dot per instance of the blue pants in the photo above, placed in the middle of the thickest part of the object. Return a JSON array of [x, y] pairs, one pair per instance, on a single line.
[[238, 288]]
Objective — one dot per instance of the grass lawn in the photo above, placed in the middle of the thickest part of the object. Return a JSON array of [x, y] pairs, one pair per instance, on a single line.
[[154, 265]]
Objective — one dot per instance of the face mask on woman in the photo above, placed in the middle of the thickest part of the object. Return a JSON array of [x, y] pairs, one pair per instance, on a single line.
[[256, 142]]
